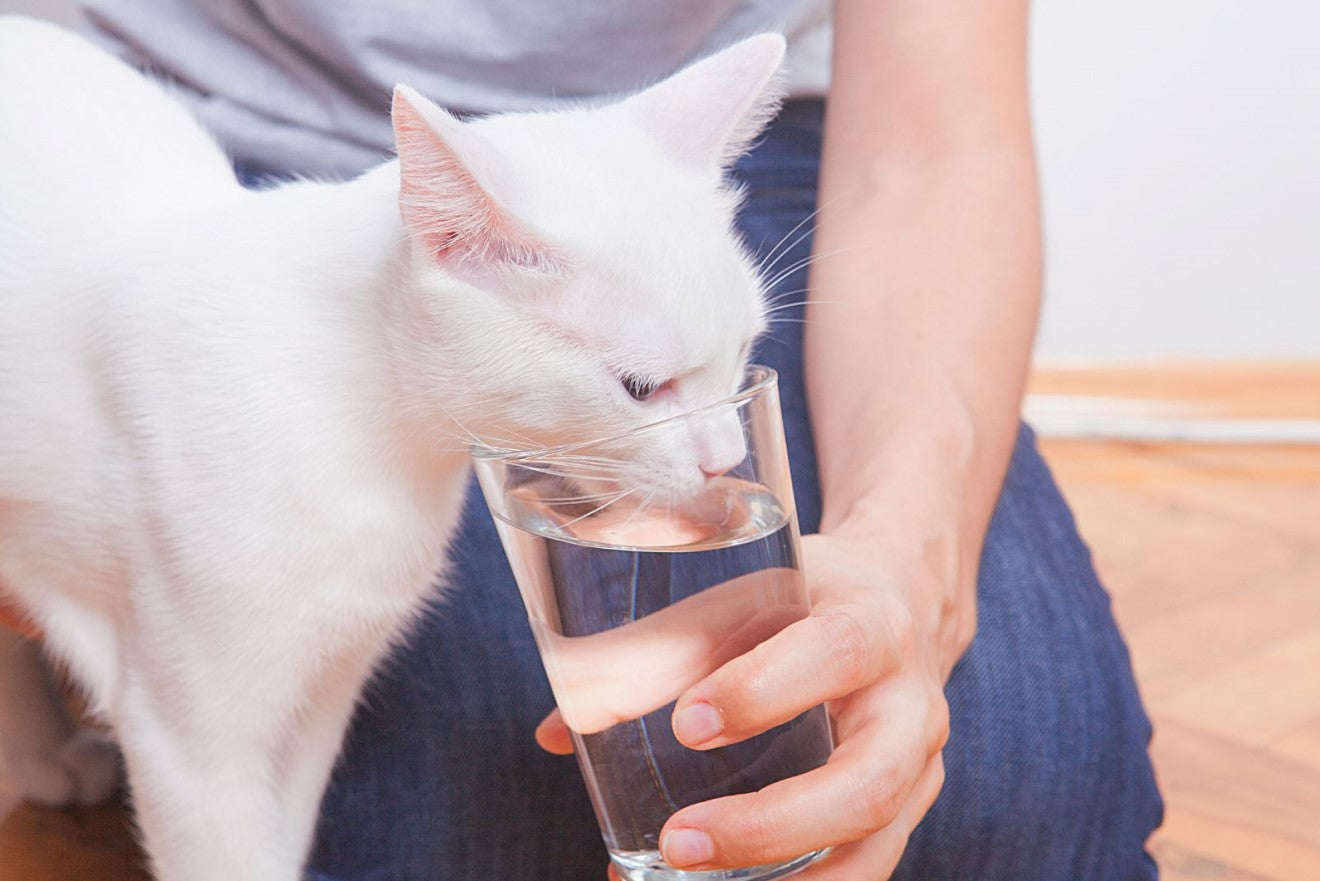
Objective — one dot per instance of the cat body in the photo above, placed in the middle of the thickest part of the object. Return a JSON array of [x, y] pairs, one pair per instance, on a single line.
[[187, 479], [234, 423]]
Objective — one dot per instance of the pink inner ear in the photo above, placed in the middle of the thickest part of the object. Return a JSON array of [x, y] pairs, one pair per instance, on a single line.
[[444, 204], [439, 198]]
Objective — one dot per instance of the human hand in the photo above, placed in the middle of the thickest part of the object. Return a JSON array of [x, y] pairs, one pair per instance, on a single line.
[[877, 648]]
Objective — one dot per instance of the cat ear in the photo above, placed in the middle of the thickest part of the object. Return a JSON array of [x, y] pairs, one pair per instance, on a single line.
[[446, 171], [706, 115]]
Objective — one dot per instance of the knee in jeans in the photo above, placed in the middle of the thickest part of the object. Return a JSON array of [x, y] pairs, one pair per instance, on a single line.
[[1043, 795]]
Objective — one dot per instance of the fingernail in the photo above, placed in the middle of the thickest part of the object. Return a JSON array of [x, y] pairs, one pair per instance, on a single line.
[[686, 847], [698, 723]]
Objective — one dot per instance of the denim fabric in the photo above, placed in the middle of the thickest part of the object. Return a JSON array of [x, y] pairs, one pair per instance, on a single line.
[[1047, 771]]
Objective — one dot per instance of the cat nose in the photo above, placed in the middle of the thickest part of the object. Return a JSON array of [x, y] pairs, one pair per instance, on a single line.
[[720, 444], [722, 461]]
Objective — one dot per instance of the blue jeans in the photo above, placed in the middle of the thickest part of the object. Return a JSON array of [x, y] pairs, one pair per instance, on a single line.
[[1048, 777]]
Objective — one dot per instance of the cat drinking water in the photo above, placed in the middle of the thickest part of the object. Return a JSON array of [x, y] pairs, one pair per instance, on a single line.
[[234, 424]]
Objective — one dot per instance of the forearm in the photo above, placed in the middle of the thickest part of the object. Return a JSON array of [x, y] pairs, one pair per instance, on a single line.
[[917, 348], [924, 300]]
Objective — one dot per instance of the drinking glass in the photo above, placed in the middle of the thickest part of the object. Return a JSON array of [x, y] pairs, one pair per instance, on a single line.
[[643, 572]]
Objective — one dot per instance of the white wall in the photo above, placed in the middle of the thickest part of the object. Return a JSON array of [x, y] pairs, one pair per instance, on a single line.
[[1180, 160]]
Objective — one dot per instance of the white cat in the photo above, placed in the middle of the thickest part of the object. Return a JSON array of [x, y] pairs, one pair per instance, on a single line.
[[233, 423]]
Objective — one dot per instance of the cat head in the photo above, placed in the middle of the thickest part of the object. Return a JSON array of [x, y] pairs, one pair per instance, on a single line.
[[579, 269]]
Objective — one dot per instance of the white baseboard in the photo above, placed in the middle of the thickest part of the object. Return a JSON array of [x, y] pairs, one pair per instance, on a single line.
[[1104, 418]]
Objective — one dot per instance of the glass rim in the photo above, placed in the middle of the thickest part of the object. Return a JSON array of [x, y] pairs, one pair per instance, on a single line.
[[758, 378]]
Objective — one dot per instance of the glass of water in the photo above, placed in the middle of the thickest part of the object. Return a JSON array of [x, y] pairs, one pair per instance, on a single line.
[[642, 572]]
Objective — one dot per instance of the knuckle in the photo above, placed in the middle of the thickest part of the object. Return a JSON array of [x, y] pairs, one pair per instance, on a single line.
[[848, 646], [878, 802], [743, 694], [902, 627], [964, 620], [938, 726], [753, 834], [938, 773]]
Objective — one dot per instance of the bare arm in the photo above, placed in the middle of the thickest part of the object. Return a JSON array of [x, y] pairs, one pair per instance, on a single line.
[[923, 308], [929, 236]]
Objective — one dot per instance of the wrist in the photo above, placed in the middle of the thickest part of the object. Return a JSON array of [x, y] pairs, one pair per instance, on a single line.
[[931, 565], [917, 499]]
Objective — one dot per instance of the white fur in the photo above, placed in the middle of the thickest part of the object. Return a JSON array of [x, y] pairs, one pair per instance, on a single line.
[[233, 424]]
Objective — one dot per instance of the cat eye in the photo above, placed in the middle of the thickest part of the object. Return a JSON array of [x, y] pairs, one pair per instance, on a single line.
[[639, 388]]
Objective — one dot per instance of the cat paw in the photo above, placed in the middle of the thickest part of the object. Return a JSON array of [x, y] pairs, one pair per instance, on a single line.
[[85, 770]]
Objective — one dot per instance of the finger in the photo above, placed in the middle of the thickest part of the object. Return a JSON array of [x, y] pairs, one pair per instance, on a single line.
[[877, 856], [825, 656], [861, 789], [624, 673], [552, 735]]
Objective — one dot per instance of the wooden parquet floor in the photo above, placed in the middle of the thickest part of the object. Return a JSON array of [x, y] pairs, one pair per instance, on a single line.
[[1212, 553]]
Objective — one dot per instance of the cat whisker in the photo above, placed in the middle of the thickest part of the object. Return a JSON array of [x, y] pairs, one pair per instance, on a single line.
[[597, 510], [788, 271], [468, 433], [771, 258], [783, 306], [799, 265], [771, 268], [560, 472], [602, 467], [518, 434], [565, 501], [608, 464], [491, 443], [777, 297], [584, 470], [641, 507], [570, 455]]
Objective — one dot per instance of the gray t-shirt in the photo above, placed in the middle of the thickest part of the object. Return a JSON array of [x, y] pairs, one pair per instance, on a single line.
[[304, 85]]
